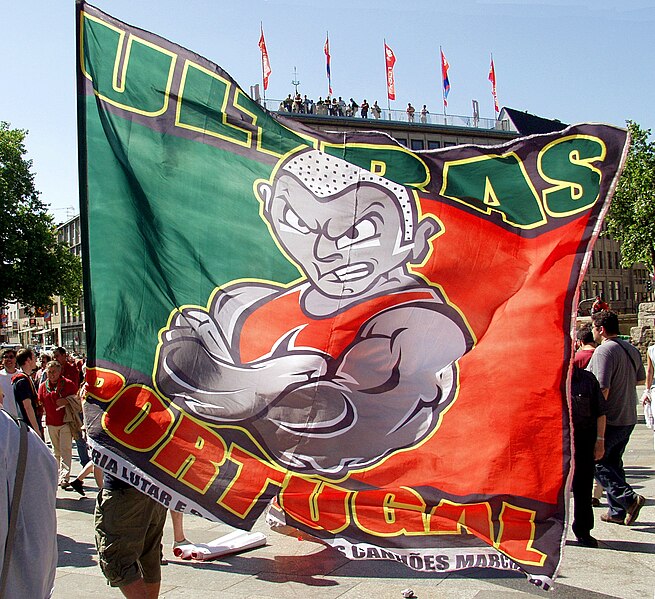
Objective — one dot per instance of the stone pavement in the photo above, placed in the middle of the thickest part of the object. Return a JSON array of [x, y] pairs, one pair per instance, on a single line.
[[623, 566]]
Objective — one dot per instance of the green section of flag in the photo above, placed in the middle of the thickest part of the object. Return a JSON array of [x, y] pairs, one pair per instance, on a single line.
[[170, 219]]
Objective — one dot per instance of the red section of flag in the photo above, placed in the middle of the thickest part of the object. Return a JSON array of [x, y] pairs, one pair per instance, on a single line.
[[492, 78], [326, 49], [390, 59], [266, 65]]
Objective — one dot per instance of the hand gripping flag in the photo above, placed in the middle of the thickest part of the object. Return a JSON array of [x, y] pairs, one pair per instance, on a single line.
[[326, 49], [444, 78], [322, 321], [266, 65], [390, 61], [492, 78]]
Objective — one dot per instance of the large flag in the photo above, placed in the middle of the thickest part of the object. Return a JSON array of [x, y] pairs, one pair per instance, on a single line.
[[326, 49], [324, 321], [444, 78], [390, 60], [266, 64], [492, 78]]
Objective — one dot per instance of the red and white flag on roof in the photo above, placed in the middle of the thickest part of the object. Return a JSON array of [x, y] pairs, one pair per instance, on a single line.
[[266, 65], [390, 59], [492, 78]]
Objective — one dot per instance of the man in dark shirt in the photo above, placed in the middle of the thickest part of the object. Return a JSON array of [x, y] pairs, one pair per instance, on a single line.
[[588, 412], [25, 392]]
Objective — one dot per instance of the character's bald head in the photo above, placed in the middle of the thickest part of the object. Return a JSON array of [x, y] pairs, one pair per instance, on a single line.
[[327, 176], [343, 225]]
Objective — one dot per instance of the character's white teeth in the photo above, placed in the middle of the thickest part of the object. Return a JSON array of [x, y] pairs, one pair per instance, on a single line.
[[352, 272]]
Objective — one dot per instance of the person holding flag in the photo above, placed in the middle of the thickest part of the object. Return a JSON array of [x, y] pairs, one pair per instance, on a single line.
[[444, 78]]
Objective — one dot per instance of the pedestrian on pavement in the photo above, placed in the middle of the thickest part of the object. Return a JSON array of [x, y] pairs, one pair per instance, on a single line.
[[129, 528], [30, 556], [55, 394], [6, 374], [618, 367], [649, 393], [70, 371], [584, 346], [25, 393], [588, 416]]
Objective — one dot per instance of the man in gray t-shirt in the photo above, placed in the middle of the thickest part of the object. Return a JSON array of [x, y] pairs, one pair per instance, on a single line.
[[33, 556], [619, 369]]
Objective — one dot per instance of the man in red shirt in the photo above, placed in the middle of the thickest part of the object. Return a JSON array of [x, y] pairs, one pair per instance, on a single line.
[[54, 394], [584, 345], [68, 369]]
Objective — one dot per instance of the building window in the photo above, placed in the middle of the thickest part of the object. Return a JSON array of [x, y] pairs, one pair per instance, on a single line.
[[601, 288], [593, 259], [609, 260], [449, 144], [401, 141], [617, 260], [584, 290], [600, 259], [617, 290], [433, 145], [417, 144]]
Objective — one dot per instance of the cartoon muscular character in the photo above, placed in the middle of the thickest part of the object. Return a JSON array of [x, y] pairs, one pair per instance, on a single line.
[[346, 366]]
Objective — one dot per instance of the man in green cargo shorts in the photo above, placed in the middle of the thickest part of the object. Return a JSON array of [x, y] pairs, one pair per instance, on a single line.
[[129, 527]]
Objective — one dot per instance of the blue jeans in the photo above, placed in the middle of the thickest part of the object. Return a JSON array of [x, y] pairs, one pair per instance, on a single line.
[[610, 472], [82, 450]]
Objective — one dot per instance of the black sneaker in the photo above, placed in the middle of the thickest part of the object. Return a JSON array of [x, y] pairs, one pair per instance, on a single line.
[[587, 540], [78, 486]]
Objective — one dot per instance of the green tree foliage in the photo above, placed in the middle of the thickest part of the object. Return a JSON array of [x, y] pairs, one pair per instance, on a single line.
[[34, 266], [631, 218]]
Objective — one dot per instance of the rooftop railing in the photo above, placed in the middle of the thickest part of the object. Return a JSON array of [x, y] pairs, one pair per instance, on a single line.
[[384, 114]]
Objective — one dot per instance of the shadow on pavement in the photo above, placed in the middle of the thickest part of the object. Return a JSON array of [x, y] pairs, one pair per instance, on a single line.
[[630, 546], [74, 553], [76, 504]]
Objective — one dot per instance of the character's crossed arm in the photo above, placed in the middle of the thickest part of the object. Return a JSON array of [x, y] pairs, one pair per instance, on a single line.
[[393, 363]]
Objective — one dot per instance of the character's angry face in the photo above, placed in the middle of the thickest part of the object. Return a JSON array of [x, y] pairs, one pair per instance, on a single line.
[[346, 242]]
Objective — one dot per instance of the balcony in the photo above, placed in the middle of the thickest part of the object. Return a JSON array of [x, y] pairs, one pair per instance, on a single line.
[[390, 116]]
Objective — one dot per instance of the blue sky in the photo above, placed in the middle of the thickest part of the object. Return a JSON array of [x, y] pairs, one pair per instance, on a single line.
[[583, 61]]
